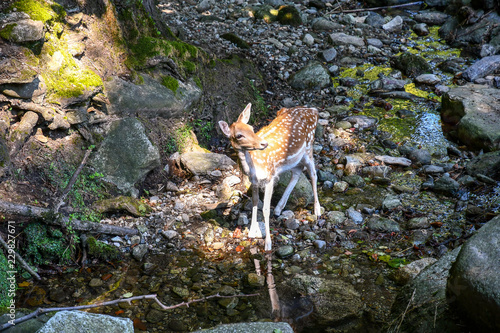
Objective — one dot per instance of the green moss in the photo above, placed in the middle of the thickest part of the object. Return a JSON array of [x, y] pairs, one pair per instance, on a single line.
[[46, 246], [170, 82], [289, 15], [6, 32], [198, 82], [5, 294], [236, 40], [100, 250], [39, 10], [190, 67]]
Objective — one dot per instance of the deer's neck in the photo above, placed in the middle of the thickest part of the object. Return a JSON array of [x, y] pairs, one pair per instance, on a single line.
[[255, 172]]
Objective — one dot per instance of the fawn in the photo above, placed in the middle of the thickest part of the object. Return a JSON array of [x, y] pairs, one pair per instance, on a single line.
[[285, 144]]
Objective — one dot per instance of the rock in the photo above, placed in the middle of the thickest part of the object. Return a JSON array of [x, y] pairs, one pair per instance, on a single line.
[[362, 122], [95, 282], [301, 195], [421, 29], [396, 24], [431, 17], [432, 169], [382, 224], [473, 284], [171, 234], [326, 176], [340, 187], [319, 244], [375, 20], [204, 163], [139, 251], [391, 202], [333, 299], [236, 40], [4, 158], [485, 164], [203, 6], [387, 84], [394, 160], [122, 203], [355, 216], [471, 114], [20, 133], [323, 24], [150, 99], [292, 224], [255, 327], [430, 307], [32, 90], [429, 79], [23, 31], [340, 38], [487, 50], [408, 272], [376, 171], [329, 54], [126, 155], [482, 68], [355, 180], [418, 223], [79, 321], [17, 69], [335, 217], [312, 76], [308, 39], [420, 156], [411, 65], [289, 15], [375, 42], [447, 186], [255, 280], [285, 251]]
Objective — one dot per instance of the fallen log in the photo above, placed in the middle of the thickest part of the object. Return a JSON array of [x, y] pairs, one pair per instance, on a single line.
[[47, 216]]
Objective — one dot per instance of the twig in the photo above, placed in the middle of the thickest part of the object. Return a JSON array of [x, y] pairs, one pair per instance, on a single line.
[[40, 311], [20, 260], [406, 310], [377, 8], [72, 181], [271, 286]]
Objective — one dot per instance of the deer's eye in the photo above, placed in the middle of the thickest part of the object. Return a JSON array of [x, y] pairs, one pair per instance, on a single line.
[[239, 136]]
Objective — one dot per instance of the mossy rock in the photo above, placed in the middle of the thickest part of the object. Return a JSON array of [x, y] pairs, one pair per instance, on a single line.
[[4, 158], [265, 12], [123, 203], [100, 250], [236, 40], [411, 65], [289, 15], [39, 10], [46, 245]]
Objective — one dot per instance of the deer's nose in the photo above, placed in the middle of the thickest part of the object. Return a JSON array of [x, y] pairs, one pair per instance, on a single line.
[[263, 145]]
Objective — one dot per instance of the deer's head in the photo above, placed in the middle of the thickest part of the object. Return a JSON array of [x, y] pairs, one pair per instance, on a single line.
[[241, 135]]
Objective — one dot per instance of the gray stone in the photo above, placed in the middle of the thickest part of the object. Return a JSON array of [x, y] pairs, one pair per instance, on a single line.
[[170, 234], [329, 54], [203, 163], [308, 39], [285, 251], [411, 65], [485, 164], [79, 321], [20, 133], [23, 31], [335, 217], [362, 122], [319, 244], [430, 307], [355, 180], [203, 6], [255, 327], [375, 42], [431, 17], [376, 171], [150, 99], [394, 160], [255, 280], [126, 155], [432, 169], [421, 29], [382, 224], [447, 186], [471, 114], [488, 50], [482, 68], [375, 20], [355, 216], [340, 38], [340, 187], [396, 24], [429, 79], [474, 282], [312, 76], [323, 24], [391, 202], [292, 224], [418, 223], [420, 156], [387, 84], [139, 251]]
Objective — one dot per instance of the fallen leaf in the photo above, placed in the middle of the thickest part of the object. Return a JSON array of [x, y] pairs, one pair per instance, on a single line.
[[24, 284], [437, 224], [239, 248], [106, 277], [119, 312], [139, 324]]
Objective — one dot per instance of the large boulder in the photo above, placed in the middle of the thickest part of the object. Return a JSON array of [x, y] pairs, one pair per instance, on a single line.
[[22, 31], [474, 282], [485, 164], [421, 305], [79, 321], [126, 155], [150, 99], [471, 114]]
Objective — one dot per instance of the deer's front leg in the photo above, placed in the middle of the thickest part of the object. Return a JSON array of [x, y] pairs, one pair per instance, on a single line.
[[267, 210], [255, 231]]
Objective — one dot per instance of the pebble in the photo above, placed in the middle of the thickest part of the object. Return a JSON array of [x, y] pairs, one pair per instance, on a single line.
[[170, 234], [285, 251]]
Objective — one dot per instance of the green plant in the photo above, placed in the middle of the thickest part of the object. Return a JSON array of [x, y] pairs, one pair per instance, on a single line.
[[170, 82], [46, 245], [204, 129], [101, 250], [260, 103], [5, 285]]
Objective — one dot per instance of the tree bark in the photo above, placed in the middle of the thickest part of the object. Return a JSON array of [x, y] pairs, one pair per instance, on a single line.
[[48, 217]]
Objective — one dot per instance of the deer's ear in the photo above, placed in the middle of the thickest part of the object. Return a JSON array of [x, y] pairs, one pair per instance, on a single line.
[[245, 115], [225, 128]]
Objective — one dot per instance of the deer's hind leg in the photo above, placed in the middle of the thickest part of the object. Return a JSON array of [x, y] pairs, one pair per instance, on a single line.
[[311, 169]]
